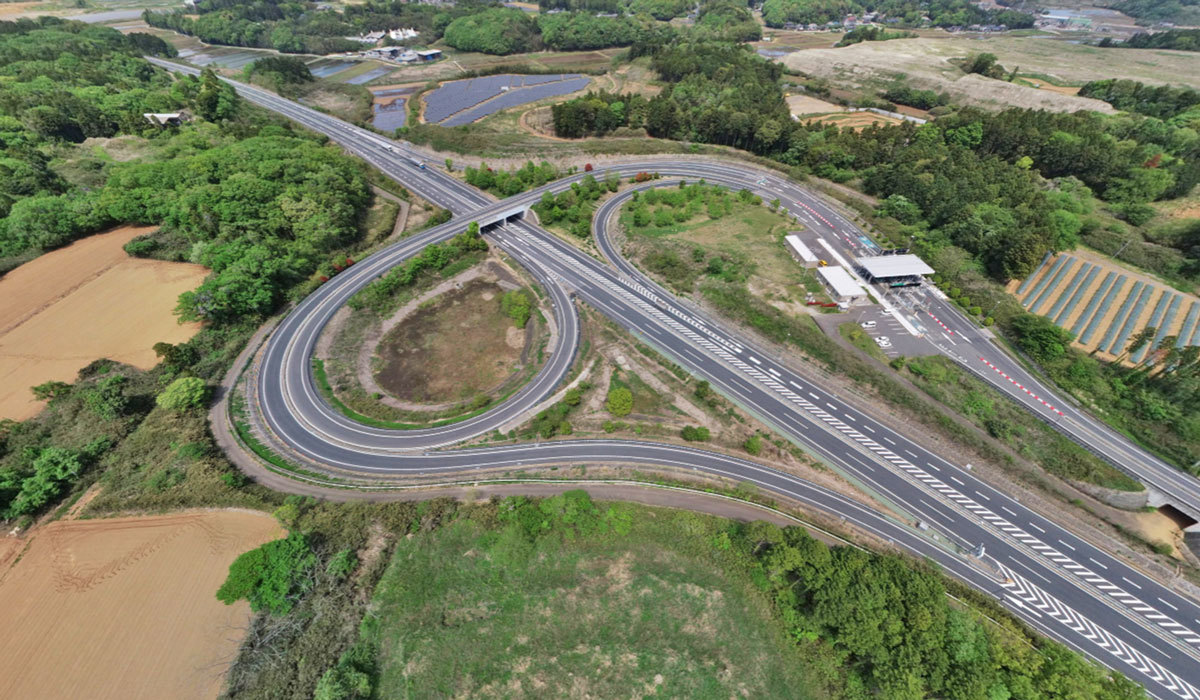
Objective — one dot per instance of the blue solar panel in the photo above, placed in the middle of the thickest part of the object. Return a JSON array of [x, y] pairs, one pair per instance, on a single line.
[[516, 97], [454, 97]]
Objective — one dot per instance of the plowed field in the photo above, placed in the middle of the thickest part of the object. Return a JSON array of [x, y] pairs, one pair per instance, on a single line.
[[81, 303], [124, 608]]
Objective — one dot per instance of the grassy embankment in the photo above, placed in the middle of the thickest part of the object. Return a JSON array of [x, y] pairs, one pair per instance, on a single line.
[[564, 595]]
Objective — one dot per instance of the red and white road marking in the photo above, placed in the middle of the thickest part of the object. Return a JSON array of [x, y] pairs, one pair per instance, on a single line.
[[1019, 386], [939, 322], [814, 213]]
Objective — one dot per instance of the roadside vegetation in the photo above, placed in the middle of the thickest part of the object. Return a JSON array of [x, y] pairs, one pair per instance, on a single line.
[[562, 592], [736, 264], [981, 196], [1010, 424], [267, 209]]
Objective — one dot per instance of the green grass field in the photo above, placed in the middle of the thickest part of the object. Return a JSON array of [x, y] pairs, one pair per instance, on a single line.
[[468, 612]]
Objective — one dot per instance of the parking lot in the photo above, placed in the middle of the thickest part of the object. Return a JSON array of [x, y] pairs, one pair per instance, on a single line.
[[886, 326]]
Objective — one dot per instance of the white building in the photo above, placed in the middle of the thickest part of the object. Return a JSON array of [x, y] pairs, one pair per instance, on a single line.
[[403, 34], [799, 251], [843, 288]]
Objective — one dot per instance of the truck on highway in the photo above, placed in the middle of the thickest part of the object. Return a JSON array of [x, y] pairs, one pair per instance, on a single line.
[[419, 163]]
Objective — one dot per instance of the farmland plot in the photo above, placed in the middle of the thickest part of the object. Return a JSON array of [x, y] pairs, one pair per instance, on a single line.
[[81, 303], [125, 608]]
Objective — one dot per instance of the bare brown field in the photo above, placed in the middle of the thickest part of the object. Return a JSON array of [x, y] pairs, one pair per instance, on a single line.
[[927, 62], [425, 360], [803, 104], [856, 120], [125, 608], [77, 304], [16, 8]]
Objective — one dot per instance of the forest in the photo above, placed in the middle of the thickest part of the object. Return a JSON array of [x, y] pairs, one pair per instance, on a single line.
[[503, 31], [1185, 12], [911, 13], [1176, 105], [297, 28], [293, 27], [1178, 39]]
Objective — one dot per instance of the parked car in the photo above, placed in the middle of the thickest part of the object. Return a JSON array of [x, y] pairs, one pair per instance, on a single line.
[[868, 324]]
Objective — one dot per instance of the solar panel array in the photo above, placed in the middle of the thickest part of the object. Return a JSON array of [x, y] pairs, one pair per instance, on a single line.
[[459, 95], [517, 97], [1106, 310]]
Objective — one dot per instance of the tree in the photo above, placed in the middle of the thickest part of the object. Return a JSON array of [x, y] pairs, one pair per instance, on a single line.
[[271, 577], [517, 305], [694, 434], [52, 469], [216, 100], [620, 401], [106, 398], [1039, 337], [753, 444], [184, 394]]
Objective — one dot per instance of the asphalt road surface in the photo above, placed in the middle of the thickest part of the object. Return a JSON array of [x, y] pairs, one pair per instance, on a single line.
[[1055, 581]]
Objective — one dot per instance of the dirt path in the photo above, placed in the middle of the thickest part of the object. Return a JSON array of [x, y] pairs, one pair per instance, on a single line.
[[401, 216]]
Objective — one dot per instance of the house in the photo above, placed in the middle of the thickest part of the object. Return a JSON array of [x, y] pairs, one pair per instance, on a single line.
[[166, 118], [403, 34], [429, 55]]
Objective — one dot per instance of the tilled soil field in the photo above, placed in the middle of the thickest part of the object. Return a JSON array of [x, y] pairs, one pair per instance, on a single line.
[[81, 303], [124, 608]]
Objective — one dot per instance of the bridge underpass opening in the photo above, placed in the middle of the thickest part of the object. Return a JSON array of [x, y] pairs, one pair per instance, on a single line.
[[1181, 519], [497, 220]]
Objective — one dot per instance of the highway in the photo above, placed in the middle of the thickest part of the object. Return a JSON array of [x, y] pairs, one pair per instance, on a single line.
[[1055, 581]]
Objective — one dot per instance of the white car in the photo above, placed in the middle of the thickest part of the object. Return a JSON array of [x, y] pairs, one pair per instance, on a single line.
[[868, 324]]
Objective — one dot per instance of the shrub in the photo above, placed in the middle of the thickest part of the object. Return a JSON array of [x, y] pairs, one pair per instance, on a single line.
[[753, 444], [184, 394], [620, 401], [694, 434], [517, 305]]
